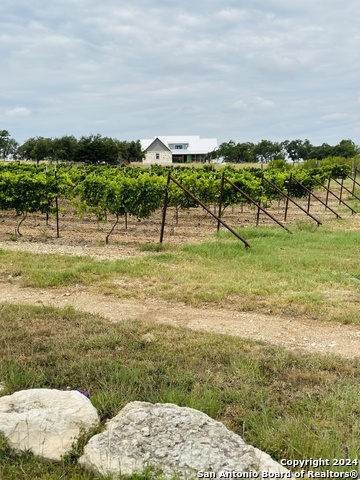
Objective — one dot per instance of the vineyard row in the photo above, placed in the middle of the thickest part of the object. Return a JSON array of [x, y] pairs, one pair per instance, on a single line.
[[139, 192]]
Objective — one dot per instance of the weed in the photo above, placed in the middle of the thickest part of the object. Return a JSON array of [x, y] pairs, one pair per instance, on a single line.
[[287, 404], [306, 225], [154, 247]]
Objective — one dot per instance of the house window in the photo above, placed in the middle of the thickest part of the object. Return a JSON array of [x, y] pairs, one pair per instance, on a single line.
[[179, 147], [158, 156]]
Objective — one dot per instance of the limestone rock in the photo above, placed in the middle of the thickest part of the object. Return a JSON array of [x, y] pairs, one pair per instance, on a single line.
[[172, 439], [45, 421]]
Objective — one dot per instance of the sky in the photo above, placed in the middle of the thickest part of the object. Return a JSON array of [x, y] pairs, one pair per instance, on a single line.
[[232, 70]]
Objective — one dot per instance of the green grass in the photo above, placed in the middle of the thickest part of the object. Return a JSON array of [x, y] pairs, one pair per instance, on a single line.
[[313, 272], [287, 404]]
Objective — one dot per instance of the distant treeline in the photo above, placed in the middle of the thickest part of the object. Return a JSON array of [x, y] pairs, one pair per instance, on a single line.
[[96, 149], [92, 149], [294, 150]]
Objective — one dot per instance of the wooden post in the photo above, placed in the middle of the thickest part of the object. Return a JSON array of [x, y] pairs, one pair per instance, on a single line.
[[341, 189], [327, 191], [164, 209], [47, 213], [354, 182], [287, 197], [258, 214], [220, 200], [56, 207]]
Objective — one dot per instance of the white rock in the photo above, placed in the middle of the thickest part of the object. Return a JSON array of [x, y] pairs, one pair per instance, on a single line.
[[171, 439], [47, 422]]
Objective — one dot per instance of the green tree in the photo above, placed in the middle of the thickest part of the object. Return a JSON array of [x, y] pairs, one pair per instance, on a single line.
[[346, 149], [96, 149], [130, 151], [38, 148], [322, 151], [233, 152], [4, 139], [64, 148], [266, 150], [25, 150], [297, 149], [12, 148], [8, 146]]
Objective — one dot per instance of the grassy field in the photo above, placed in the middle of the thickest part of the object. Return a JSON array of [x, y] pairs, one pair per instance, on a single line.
[[288, 404], [314, 272]]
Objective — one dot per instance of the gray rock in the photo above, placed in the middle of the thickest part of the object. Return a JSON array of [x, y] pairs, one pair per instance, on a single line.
[[171, 439], [47, 422]]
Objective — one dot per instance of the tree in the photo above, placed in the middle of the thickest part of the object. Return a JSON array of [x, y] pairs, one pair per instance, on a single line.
[[64, 148], [36, 149], [297, 150], [4, 139], [12, 148], [266, 150], [236, 152], [25, 150], [245, 152], [8, 146], [130, 151], [96, 149], [346, 149], [322, 151]]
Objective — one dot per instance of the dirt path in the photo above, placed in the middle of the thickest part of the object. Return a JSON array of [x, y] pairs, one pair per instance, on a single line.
[[291, 333]]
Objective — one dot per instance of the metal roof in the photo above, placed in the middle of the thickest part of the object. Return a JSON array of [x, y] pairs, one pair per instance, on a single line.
[[195, 144]]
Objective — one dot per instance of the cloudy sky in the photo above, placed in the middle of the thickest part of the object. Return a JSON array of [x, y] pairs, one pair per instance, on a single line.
[[230, 69]]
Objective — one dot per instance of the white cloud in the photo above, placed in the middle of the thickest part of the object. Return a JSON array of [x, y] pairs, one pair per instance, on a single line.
[[334, 117], [241, 105], [262, 102], [18, 112], [254, 103], [231, 14]]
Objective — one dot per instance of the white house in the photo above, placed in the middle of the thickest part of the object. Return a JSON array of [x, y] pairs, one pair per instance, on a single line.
[[178, 149]]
